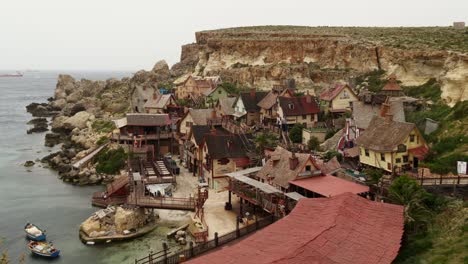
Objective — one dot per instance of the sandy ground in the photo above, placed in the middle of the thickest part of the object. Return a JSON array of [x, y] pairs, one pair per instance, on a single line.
[[217, 219]]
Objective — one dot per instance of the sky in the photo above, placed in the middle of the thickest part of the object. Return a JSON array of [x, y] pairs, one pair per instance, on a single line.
[[132, 35]]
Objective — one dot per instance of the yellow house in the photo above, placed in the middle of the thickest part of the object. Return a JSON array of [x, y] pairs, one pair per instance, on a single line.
[[338, 99], [391, 145]]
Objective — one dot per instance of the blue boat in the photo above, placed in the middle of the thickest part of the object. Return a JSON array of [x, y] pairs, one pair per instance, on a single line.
[[34, 233], [43, 249]]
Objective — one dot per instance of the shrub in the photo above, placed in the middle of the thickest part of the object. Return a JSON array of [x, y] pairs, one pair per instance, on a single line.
[[295, 134], [373, 174], [313, 143], [374, 80], [110, 161], [332, 153], [102, 140], [430, 90], [330, 133], [103, 126]]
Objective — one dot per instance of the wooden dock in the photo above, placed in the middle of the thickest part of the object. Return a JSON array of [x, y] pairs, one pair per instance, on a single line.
[[88, 157]]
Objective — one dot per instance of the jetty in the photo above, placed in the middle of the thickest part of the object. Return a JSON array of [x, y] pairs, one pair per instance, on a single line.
[[89, 157]]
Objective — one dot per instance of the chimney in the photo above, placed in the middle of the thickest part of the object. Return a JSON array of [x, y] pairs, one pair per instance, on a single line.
[[293, 161], [308, 97], [252, 92], [388, 118], [385, 108]]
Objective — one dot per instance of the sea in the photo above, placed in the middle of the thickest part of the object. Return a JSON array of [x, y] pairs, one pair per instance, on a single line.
[[37, 195]]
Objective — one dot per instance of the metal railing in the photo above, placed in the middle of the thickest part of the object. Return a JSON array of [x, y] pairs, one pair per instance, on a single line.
[[165, 257]]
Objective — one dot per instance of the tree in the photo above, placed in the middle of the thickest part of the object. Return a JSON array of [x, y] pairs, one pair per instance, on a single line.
[[295, 134], [332, 153], [406, 191], [265, 140], [374, 175], [313, 143]]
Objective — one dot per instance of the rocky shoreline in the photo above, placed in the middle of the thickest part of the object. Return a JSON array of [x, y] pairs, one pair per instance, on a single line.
[[79, 118]]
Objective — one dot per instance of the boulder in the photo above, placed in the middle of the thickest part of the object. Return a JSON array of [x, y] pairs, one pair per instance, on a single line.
[[52, 139], [29, 163], [161, 70], [79, 120], [59, 103]]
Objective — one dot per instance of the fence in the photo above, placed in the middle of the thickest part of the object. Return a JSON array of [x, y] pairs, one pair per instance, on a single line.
[[166, 257]]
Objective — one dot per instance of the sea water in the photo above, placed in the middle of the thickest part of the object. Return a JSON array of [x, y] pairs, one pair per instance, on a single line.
[[36, 194]]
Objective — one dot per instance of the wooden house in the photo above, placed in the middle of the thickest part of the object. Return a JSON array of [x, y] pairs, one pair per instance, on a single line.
[[194, 87], [269, 105], [392, 88], [391, 145], [298, 110], [338, 99], [246, 106], [213, 96], [161, 104]]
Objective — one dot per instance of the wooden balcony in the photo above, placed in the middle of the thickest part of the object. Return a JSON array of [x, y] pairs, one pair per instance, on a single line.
[[129, 137]]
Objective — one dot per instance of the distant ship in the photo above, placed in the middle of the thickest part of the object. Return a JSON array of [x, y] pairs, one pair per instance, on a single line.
[[17, 74]]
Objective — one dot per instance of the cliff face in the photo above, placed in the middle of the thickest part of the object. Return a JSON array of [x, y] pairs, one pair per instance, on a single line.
[[262, 59]]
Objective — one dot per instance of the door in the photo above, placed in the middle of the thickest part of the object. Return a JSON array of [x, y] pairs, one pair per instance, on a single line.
[[415, 162]]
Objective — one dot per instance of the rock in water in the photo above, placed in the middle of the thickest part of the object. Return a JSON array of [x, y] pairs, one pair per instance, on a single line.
[[40, 125], [29, 163]]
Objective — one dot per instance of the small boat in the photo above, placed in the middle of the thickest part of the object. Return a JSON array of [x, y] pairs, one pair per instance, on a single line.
[[43, 249], [34, 233], [17, 74]]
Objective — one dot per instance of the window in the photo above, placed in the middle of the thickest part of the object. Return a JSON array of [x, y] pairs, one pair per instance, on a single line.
[[411, 138], [304, 117], [382, 156], [405, 158], [291, 106], [312, 118], [219, 92], [344, 95], [308, 168], [188, 124], [398, 160], [367, 152], [401, 148]]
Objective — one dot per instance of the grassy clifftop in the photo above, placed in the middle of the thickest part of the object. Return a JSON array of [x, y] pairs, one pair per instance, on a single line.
[[436, 38]]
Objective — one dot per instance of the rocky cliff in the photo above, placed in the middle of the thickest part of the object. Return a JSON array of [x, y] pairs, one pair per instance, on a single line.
[[264, 56]]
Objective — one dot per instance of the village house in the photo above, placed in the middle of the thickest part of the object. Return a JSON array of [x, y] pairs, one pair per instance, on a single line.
[[391, 145], [222, 154], [246, 108], [301, 173], [342, 229], [195, 87], [196, 117], [298, 110], [150, 135], [338, 99], [213, 96], [160, 104], [392, 88], [269, 106], [225, 107]]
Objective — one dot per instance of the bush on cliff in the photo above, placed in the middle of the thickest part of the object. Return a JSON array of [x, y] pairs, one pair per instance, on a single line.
[[295, 134], [110, 161], [103, 126], [430, 90]]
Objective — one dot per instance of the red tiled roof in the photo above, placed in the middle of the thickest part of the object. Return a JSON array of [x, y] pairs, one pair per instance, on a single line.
[[329, 186], [343, 229], [299, 106], [329, 94], [392, 84], [419, 152]]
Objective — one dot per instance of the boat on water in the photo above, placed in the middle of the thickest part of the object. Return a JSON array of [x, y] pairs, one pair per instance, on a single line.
[[34, 233], [43, 249], [17, 74]]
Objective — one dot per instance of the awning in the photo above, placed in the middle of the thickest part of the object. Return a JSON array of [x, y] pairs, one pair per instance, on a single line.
[[419, 152]]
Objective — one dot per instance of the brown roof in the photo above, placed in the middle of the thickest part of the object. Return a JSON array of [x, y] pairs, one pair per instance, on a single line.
[[392, 84], [226, 146], [140, 119], [201, 116], [339, 230], [278, 167], [363, 113], [268, 101], [250, 102], [384, 136], [160, 102], [296, 106]]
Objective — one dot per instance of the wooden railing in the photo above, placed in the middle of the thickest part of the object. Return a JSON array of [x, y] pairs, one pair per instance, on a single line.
[[162, 202], [162, 135], [165, 257]]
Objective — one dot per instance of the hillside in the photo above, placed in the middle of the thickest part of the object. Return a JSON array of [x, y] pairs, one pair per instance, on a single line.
[[318, 56]]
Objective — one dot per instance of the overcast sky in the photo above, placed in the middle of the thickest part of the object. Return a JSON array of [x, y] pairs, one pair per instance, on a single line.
[[132, 35]]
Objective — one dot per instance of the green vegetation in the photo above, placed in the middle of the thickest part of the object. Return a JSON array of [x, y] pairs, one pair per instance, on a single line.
[[313, 143], [430, 90], [102, 140], [183, 102], [435, 226], [232, 89], [374, 175], [110, 161], [295, 134], [373, 80], [103, 126], [330, 133], [332, 153], [266, 139], [435, 38]]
